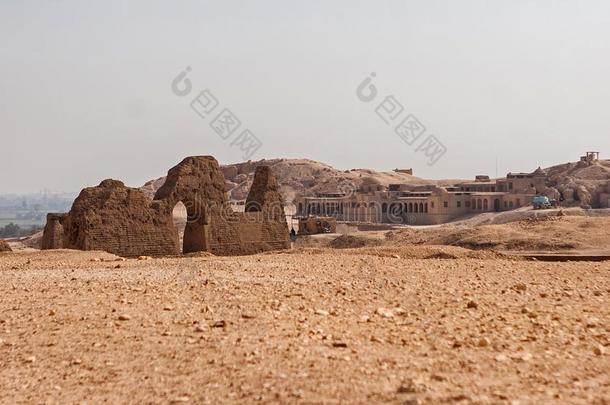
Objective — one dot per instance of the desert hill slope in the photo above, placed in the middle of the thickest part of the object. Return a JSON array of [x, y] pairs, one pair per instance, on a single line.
[[577, 182], [580, 182], [303, 176]]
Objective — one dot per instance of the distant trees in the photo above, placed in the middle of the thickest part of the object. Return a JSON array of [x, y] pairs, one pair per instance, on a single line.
[[15, 231], [9, 231]]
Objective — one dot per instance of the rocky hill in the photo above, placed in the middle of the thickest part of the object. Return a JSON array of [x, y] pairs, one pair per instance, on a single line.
[[302, 177], [579, 183]]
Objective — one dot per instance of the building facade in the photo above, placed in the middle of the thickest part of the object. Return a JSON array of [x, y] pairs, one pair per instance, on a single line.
[[425, 205]]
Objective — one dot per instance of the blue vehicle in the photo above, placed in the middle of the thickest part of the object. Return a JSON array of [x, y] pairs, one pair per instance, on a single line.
[[541, 202]]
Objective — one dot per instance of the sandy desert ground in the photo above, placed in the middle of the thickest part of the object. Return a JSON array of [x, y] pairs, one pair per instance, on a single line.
[[409, 325]]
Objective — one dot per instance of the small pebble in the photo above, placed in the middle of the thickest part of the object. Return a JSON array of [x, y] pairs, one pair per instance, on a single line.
[[483, 342], [599, 350], [520, 287], [500, 358], [384, 312], [219, 324]]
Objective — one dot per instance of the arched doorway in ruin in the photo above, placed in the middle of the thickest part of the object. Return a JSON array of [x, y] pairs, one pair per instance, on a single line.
[[179, 217], [199, 184], [193, 226]]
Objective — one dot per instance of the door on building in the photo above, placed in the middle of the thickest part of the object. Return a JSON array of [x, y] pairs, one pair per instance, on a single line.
[[497, 205]]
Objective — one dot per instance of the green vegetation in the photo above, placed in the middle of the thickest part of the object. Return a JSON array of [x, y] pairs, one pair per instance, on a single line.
[[23, 223], [13, 230]]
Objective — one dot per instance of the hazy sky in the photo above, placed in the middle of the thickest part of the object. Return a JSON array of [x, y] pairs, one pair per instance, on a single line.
[[85, 87]]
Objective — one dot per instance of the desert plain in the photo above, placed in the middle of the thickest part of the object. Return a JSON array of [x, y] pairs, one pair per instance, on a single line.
[[390, 321]]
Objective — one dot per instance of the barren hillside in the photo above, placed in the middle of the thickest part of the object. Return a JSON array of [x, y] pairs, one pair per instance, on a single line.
[[303, 176], [558, 233], [576, 182], [580, 182]]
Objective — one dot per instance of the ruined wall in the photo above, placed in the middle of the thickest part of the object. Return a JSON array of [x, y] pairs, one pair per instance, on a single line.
[[199, 184], [4, 247], [264, 193], [239, 233], [53, 236], [261, 227], [123, 221], [117, 219]]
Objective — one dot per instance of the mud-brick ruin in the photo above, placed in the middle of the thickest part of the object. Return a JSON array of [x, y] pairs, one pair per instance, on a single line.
[[124, 221], [4, 247]]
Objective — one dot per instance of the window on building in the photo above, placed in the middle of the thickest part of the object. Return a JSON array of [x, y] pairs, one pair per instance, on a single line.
[[510, 185], [459, 204], [431, 204], [467, 204], [446, 204]]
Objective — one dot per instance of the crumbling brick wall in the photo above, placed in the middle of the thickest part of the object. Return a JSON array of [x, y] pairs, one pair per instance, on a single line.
[[123, 221], [54, 231], [212, 225], [238, 233], [113, 218], [4, 247]]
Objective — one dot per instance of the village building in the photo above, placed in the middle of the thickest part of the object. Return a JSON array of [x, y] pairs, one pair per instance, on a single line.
[[373, 202]]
